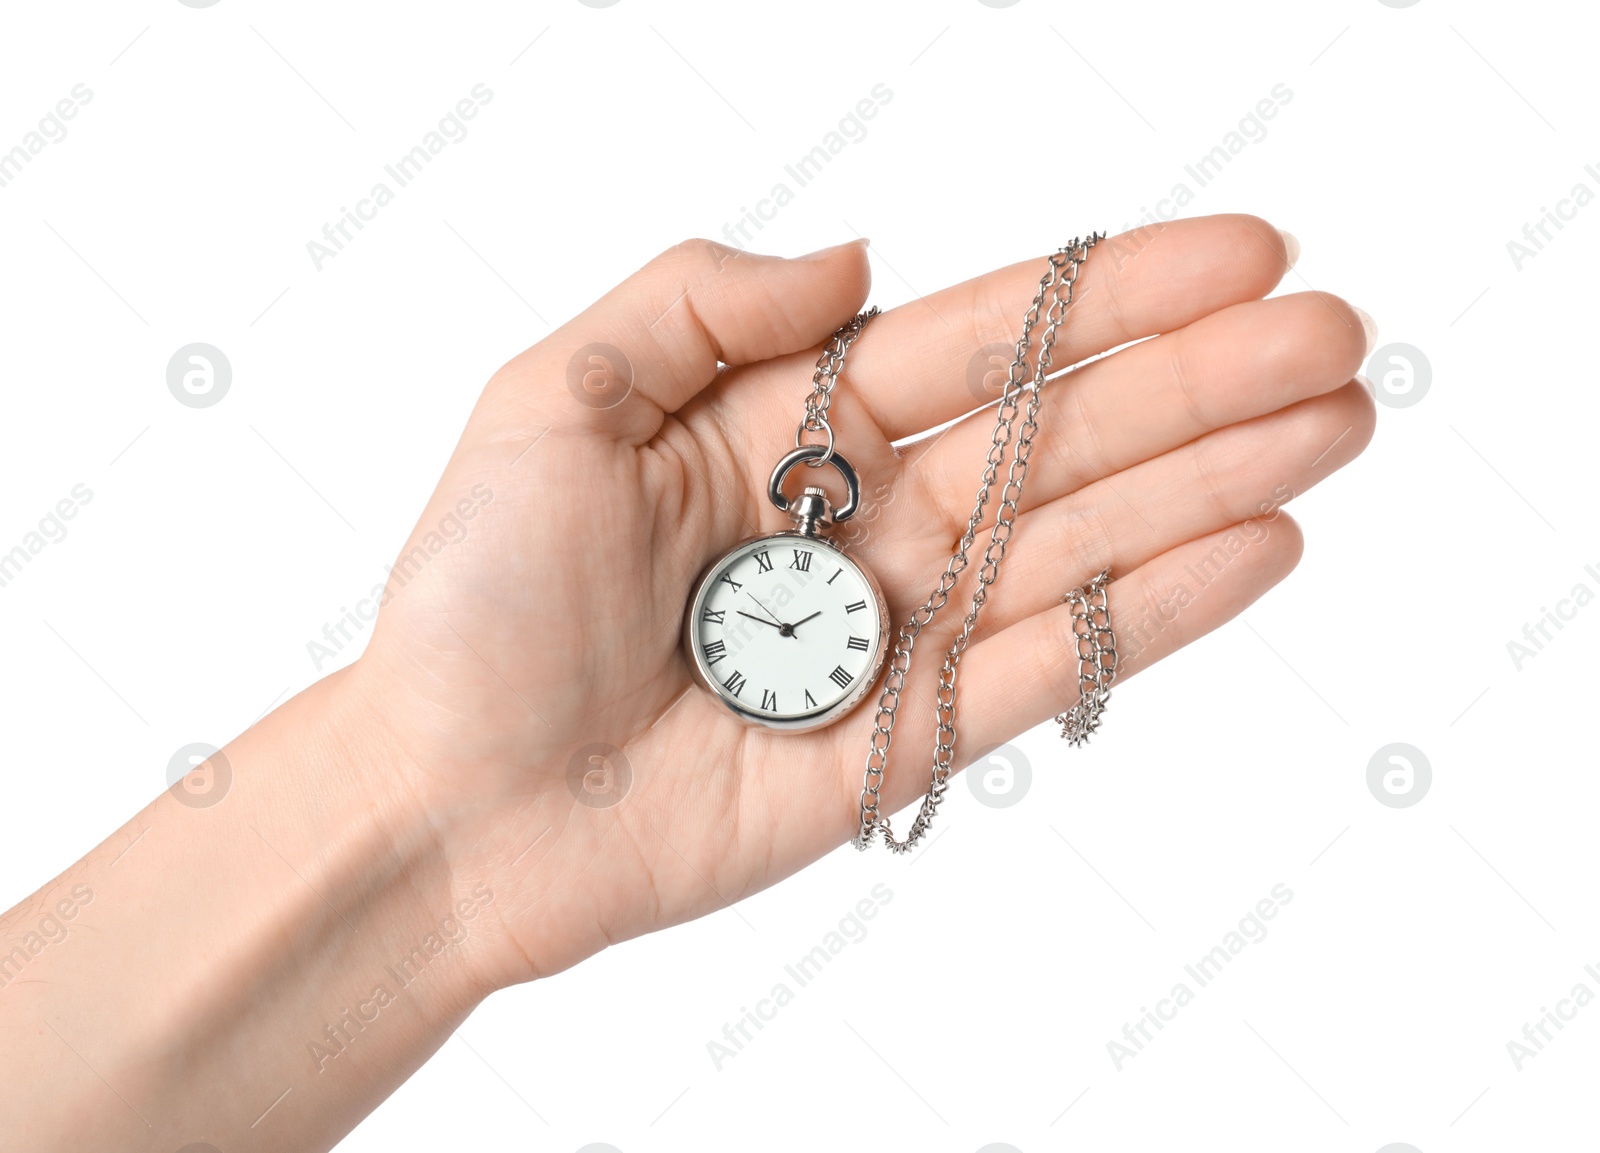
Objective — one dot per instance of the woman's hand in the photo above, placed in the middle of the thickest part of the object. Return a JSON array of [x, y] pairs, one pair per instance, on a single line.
[[529, 650], [266, 961]]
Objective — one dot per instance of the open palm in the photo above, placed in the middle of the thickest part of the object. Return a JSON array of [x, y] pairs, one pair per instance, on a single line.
[[529, 662]]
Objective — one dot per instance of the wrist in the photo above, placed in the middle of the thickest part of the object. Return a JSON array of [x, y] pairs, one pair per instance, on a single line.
[[396, 829], [497, 801], [486, 824], [311, 936]]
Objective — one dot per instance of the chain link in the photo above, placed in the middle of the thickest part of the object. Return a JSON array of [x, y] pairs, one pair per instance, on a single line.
[[1058, 284], [823, 381], [1097, 660]]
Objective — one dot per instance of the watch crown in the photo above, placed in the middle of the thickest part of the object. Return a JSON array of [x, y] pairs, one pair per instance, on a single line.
[[811, 511]]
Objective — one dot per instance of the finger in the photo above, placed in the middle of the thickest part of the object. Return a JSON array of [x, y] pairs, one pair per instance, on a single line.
[[914, 365], [1243, 472], [1214, 504], [654, 341], [1028, 673], [1146, 400], [1239, 476]]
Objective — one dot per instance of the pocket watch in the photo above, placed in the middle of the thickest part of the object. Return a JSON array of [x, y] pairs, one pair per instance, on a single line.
[[788, 630]]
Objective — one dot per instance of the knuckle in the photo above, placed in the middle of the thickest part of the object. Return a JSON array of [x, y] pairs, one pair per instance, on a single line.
[[1056, 454], [1212, 470], [1147, 621], [989, 315], [1087, 444], [1056, 656], [1086, 542], [1113, 303], [694, 255], [1186, 382]]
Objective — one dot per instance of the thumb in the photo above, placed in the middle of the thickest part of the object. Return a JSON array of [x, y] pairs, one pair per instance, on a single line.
[[652, 343]]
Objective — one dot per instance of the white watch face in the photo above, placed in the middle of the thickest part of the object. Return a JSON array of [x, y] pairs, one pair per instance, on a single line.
[[787, 627]]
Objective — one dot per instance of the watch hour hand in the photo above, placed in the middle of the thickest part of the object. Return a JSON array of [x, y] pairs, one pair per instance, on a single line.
[[803, 620]]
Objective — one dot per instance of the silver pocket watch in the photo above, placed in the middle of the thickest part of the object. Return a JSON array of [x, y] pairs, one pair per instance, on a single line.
[[788, 630]]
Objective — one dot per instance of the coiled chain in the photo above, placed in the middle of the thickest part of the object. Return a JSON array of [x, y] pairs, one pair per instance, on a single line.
[[1058, 285], [1097, 660]]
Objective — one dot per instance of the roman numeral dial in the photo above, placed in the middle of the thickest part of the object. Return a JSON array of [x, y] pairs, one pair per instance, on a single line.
[[786, 631]]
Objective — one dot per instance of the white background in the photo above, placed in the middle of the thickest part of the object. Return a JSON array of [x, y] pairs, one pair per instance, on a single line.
[[977, 1010]]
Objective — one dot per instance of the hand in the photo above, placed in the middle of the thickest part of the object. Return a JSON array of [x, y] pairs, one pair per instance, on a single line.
[[551, 625]]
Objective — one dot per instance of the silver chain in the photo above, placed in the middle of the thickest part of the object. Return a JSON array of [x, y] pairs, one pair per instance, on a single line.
[[1058, 283], [822, 381], [1097, 660]]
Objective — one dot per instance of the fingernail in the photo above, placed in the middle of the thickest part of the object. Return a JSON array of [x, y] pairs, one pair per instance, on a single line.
[[825, 253], [1291, 247], [1371, 328]]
